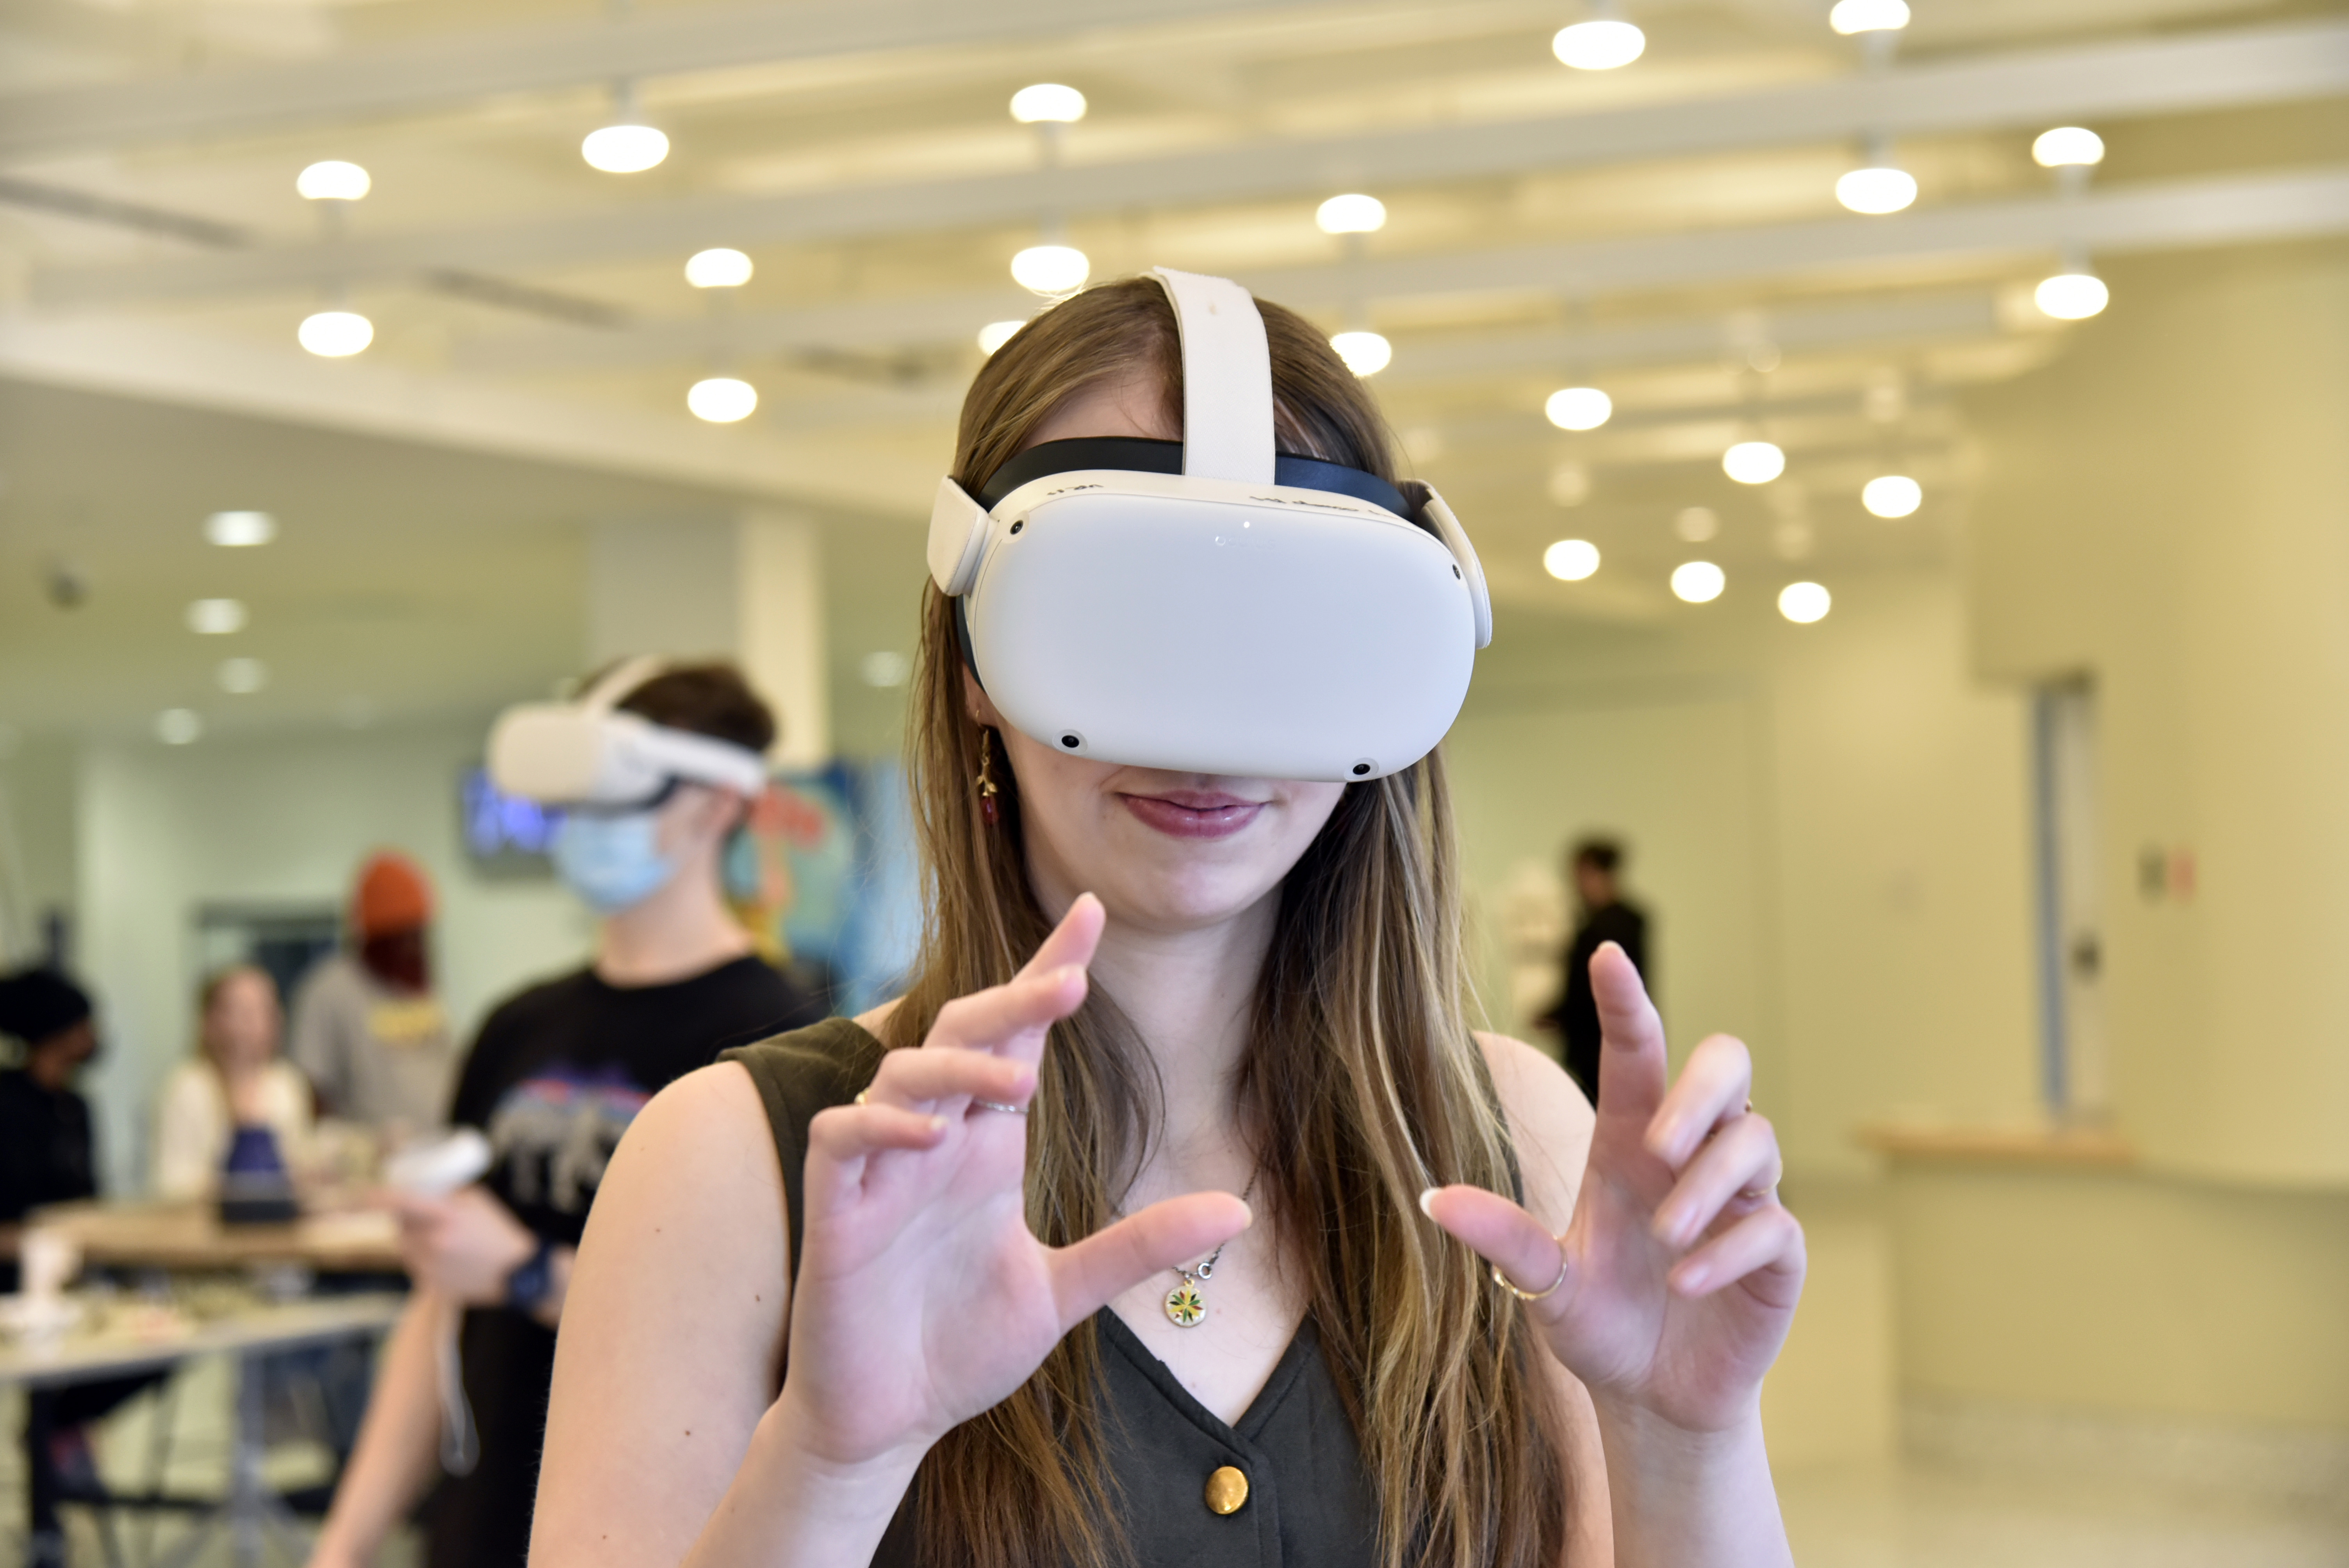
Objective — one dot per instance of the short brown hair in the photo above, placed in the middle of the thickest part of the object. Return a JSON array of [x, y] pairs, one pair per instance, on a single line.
[[711, 698]]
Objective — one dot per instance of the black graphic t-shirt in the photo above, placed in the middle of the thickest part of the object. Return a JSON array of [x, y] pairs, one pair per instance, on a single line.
[[554, 1080]]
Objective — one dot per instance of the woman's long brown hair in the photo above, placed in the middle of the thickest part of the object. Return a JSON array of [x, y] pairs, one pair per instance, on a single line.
[[1360, 1085]]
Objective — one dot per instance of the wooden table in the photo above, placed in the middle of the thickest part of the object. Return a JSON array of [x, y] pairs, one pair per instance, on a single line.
[[127, 1339], [190, 1236]]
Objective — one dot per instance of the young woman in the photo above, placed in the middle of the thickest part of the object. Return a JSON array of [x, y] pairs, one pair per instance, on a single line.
[[925, 1286], [236, 1079]]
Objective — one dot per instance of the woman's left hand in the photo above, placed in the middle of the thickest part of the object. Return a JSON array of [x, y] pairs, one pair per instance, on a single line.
[[1678, 1275]]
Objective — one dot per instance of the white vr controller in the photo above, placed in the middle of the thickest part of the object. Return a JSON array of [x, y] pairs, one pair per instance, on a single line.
[[1212, 605], [589, 753]]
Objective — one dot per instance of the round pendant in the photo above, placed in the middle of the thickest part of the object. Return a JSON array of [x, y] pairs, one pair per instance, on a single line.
[[1185, 1305]]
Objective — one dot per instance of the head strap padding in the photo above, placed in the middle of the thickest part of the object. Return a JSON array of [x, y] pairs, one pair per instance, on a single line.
[[1227, 378]]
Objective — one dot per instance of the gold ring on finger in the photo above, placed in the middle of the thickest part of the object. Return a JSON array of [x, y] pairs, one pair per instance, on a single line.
[[1506, 1284]]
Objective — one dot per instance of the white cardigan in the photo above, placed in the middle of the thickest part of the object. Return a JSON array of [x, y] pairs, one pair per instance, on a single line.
[[192, 1125]]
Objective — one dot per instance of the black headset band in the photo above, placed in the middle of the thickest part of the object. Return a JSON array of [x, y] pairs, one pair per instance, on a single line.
[[1138, 454]]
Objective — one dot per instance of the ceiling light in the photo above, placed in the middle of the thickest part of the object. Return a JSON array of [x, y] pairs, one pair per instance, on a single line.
[[1698, 582], [1803, 602], [1365, 353], [2066, 146], [722, 399], [1351, 214], [1600, 46], [996, 333], [1051, 270], [1048, 102], [179, 726], [624, 149], [718, 269], [1697, 523], [1851, 17], [216, 617], [1570, 560], [1877, 190], [2071, 296], [333, 181], [1754, 462], [1569, 484], [238, 529], [1892, 495], [242, 677], [886, 668], [335, 333], [1578, 407]]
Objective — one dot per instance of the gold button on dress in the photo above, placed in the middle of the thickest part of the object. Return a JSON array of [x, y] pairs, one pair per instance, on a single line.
[[1226, 1490]]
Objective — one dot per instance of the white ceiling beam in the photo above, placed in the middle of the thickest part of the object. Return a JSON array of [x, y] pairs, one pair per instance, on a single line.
[[2133, 78], [2234, 209], [442, 72], [170, 364]]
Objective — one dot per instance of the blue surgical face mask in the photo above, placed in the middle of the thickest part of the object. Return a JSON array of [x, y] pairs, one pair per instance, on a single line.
[[613, 861]]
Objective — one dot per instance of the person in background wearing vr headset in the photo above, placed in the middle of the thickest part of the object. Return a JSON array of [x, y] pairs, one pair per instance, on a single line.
[[553, 1080], [1174, 1214]]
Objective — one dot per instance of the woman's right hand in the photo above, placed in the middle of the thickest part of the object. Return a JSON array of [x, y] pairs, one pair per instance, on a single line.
[[923, 1299]]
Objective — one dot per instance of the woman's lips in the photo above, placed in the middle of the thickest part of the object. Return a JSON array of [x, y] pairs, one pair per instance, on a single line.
[[1189, 814]]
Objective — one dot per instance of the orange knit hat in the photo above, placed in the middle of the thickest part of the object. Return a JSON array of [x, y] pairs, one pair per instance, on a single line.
[[393, 894]]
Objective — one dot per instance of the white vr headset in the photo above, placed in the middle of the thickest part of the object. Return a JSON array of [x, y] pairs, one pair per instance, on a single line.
[[589, 753], [1212, 605]]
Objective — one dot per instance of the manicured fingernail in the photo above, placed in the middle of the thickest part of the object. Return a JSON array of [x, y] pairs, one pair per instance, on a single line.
[[937, 1124], [1695, 1279], [1427, 1202]]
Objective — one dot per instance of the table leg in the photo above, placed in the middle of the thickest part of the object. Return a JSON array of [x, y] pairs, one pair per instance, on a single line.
[[253, 1513], [45, 1536]]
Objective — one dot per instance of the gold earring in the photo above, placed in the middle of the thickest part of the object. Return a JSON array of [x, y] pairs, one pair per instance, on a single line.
[[987, 775]]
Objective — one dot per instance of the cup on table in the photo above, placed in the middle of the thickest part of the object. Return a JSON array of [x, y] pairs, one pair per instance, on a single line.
[[46, 1261]]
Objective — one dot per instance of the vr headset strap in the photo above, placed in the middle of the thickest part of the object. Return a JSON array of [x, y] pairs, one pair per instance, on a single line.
[[1227, 378], [626, 678]]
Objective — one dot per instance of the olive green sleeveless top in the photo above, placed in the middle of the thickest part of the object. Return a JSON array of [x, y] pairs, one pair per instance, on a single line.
[[1283, 1487]]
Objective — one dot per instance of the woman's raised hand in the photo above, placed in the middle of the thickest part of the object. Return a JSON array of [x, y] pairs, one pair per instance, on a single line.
[[1680, 1268], [923, 1299]]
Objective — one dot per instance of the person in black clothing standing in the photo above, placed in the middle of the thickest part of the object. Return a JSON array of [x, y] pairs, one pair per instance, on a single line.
[[1602, 915], [553, 1080], [45, 1148]]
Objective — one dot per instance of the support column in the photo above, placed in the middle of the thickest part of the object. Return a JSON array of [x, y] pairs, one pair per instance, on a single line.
[[747, 588]]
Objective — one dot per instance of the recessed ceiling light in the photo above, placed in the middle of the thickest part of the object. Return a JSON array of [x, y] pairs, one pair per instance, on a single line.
[[996, 333], [1570, 560], [216, 617], [2071, 296], [1047, 103], [1578, 407], [1877, 190], [1869, 16], [242, 677], [1803, 602], [1892, 495], [1698, 582], [1365, 353], [1355, 213], [1600, 46], [719, 268], [335, 333], [2067, 146], [722, 399], [624, 149], [333, 181], [1051, 270], [179, 727], [240, 530], [1754, 462]]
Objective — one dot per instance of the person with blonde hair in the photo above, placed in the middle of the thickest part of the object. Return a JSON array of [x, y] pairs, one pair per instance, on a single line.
[[1174, 1213], [236, 1080]]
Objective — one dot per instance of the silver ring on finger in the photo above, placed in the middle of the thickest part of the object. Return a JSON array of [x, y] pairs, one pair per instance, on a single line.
[[998, 1105], [1506, 1284]]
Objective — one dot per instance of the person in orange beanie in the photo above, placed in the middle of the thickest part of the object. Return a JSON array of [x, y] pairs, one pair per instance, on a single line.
[[367, 1028]]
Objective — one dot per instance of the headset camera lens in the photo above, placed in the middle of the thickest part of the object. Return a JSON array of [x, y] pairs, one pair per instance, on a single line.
[[1018, 526], [1360, 769], [1071, 741]]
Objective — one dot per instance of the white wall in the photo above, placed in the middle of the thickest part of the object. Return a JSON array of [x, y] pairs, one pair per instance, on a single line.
[[1828, 823], [164, 830]]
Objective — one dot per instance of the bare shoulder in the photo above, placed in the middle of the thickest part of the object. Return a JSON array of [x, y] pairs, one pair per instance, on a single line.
[[1549, 1120], [672, 1346]]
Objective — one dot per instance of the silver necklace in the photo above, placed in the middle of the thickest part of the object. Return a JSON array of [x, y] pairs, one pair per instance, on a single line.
[[1186, 1304]]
